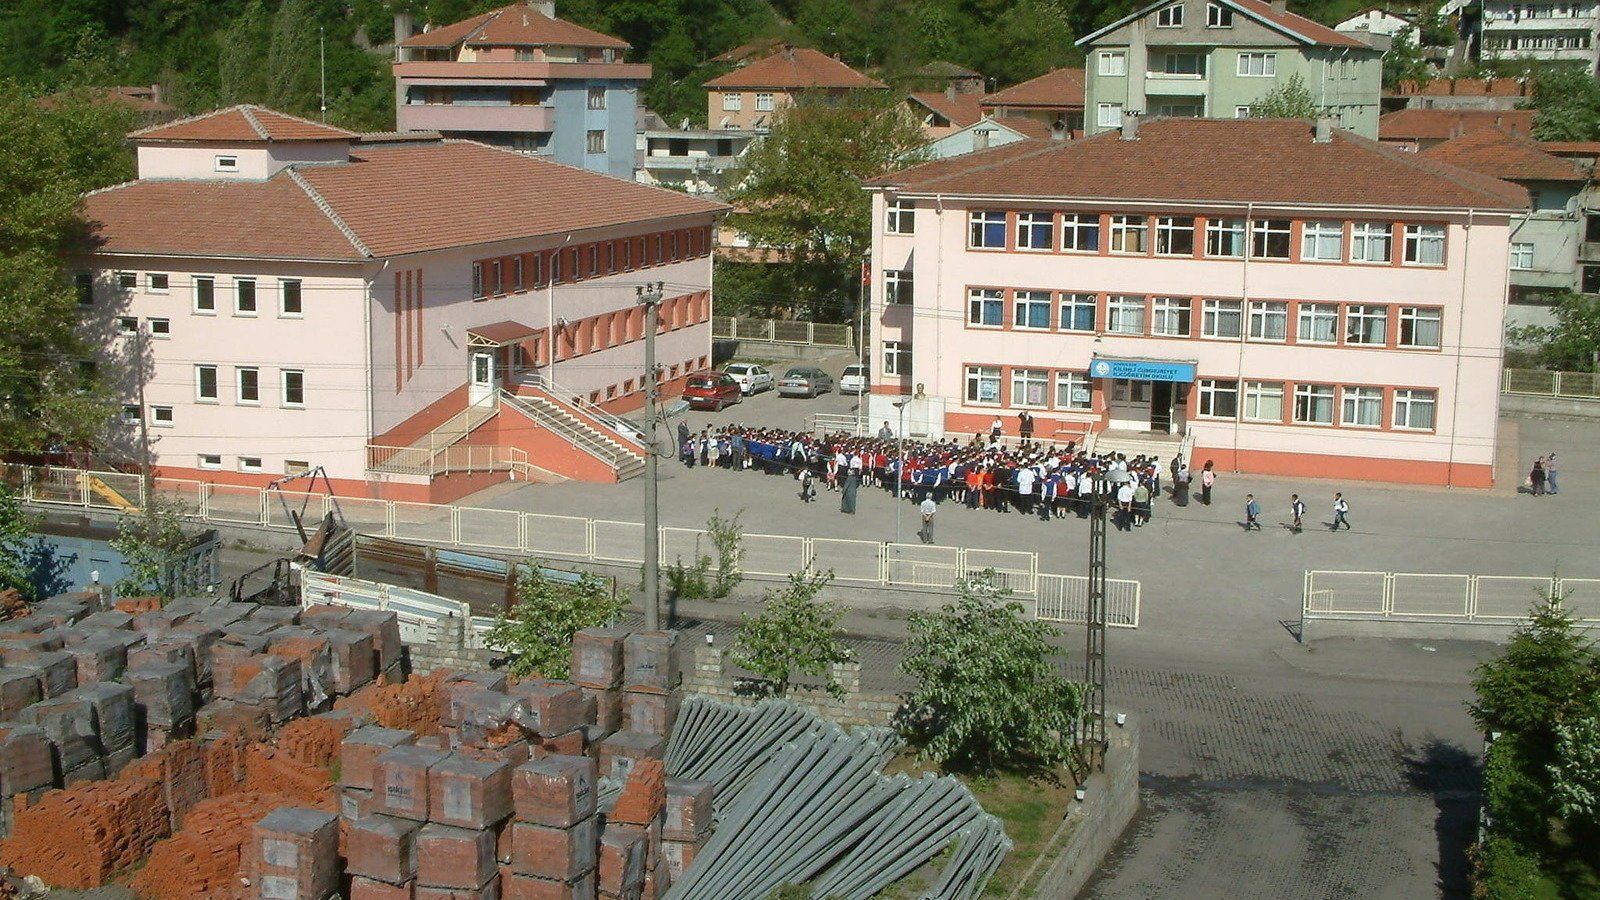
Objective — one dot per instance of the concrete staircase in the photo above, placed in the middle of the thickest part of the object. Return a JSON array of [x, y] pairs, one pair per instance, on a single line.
[[623, 456], [1142, 443]]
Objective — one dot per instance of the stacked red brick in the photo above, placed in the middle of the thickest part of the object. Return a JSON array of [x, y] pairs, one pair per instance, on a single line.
[[633, 679]]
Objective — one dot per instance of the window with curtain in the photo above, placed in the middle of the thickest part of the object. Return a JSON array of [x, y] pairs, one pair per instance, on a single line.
[[1269, 321], [1318, 323]]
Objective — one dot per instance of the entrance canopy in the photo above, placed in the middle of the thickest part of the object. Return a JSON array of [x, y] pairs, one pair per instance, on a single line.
[[499, 334], [1142, 369]]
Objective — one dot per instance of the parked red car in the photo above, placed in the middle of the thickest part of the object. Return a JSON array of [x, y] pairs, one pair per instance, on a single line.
[[711, 389]]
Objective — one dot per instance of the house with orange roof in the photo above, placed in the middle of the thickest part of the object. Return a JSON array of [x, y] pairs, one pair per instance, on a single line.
[[1550, 247], [1219, 58], [1548, 32], [1056, 97], [520, 78], [1460, 93], [747, 97], [1420, 129], [416, 316], [941, 113], [986, 133]]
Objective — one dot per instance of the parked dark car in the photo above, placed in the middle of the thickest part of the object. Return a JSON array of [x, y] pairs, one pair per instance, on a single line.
[[804, 381], [711, 389]]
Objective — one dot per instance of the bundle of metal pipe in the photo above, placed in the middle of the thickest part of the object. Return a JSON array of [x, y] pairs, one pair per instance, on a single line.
[[801, 801]]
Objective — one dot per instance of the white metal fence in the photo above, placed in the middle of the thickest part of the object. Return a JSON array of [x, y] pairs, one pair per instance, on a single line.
[[1545, 383], [853, 562], [1417, 596], [780, 331]]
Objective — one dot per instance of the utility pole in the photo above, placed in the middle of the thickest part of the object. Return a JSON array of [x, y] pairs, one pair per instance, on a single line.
[[145, 364], [322, 59], [649, 296], [1094, 656]]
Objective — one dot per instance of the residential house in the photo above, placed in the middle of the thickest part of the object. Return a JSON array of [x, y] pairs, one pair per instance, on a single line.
[[1378, 20], [1420, 129], [418, 317], [699, 161], [520, 78], [1459, 93], [987, 133], [1545, 31], [747, 97], [940, 76], [1056, 97], [1218, 58], [942, 113], [1278, 296], [1548, 237]]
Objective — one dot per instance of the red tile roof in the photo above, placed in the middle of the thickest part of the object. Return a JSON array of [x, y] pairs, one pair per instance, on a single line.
[[941, 69], [1499, 153], [962, 110], [1571, 148], [1443, 124], [1464, 87], [1286, 23], [1213, 160], [384, 202], [246, 123], [796, 68], [518, 24], [502, 332], [1061, 88]]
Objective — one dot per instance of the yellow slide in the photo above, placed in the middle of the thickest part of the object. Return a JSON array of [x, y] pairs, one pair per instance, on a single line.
[[111, 495]]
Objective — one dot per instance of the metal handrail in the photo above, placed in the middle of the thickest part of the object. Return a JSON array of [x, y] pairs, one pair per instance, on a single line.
[[456, 458], [577, 400], [587, 441]]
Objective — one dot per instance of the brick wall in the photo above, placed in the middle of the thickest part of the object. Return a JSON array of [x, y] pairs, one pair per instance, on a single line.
[[1094, 824], [712, 675]]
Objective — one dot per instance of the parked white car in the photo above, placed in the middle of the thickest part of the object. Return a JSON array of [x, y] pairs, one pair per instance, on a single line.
[[855, 380], [753, 379]]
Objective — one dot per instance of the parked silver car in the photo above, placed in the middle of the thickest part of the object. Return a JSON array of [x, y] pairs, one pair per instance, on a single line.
[[804, 381], [753, 379]]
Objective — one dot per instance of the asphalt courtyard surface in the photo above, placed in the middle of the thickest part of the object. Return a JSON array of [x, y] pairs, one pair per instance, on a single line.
[[1340, 768]]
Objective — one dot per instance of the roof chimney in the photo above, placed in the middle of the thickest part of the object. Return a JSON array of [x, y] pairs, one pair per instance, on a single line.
[[545, 8], [1130, 127], [950, 91], [1059, 130], [1324, 132], [980, 138], [155, 92], [1281, 7], [404, 25]]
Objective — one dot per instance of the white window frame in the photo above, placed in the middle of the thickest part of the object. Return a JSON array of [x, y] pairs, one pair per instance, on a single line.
[[1170, 16], [1356, 318], [1123, 227], [161, 333], [239, 294], [980, 301], [1366, 238], [897, 287], [979, 223], [1218, 16], [200, 395], [1074, 300], [1265, 230], [1242, 112], [1312, 398], [897, 358], [128, 326], [1263, 315], [1213, 389], [1422, 236], [1214, 310], [1126, 314], [1309, 315], [225, 162], [1108, 115], [1254, 394], [250, 464], [1230, 230], [590, 97], [1072, 382], [127, 281], [1075, 226], [1171, 316], [239, 385], [1415, 316], [1405, 399], [161, 416], [300, 298], [284, 376], [1169, 227], [1521, 256], [1028, 225], [1356, 400], [732, 102], [976, 378], [1171, 69], [208, 460], [131, 414], [163, 288], [764, 102], [1268, 65], [1322, 241], [1034, 301], [1022, 380], [900, 217], [1113, 64]]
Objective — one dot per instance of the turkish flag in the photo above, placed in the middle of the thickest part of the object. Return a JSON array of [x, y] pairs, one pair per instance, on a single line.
[[866, 273]]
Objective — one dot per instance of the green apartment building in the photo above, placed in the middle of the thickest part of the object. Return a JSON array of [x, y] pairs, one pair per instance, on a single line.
[[1215, 58]]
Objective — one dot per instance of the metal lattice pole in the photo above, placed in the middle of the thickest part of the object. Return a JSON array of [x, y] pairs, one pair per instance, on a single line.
[[1094, 657], [649, 296]]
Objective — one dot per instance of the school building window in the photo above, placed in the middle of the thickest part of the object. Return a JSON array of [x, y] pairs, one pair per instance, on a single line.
[[1073, 390], [986, 307], [896, 358], [1313, 404], [1322, 241], [1032, 309], [1128, 234], [1263, 401], [1420, 326], [1219, 398], [205, 295], [1225, 238], [1363, 407], [1414, 409], [1080, 233], [900, 217], [1318, 323], [1269, 321], [205, 383], [897, 286], [1036, 231], [1366, 324], [244, 297], [1175, 236], [987, 230], [290, 300], [249, 385], [983, 384], [1030, 387], [1370, 242], [1269, 239], [1169, 316], [1125, 315], [1221, 318], [1077, 312], [1425, 245]]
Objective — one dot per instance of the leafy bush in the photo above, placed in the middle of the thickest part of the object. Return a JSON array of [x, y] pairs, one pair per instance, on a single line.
[[691, 582], [154, 544], [538, 630], [728, 537], [796, 634], [1503, 871]]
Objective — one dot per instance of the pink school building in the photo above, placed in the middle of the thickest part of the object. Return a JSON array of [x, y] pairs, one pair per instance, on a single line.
[[1284, 297], [418, 317]]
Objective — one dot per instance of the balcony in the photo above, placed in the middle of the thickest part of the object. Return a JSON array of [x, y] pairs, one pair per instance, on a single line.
[[464, 117], [486, 72]]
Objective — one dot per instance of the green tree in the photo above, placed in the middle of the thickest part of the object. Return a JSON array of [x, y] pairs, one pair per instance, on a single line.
[[989, 697], [1290, 100], [154, 545], [727, 536], [1573, 342], [291, 60], [537, 631], [1027, 39], [1405, 61], [1566, 104], [1576, 771], [796, 634], [16, 543], [801, 193]]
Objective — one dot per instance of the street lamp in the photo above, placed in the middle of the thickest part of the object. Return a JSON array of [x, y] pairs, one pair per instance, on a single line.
[[900, 465]]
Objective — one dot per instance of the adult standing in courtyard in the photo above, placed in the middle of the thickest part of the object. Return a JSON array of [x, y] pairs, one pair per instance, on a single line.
[[1536, 477], [1025, 426], [852, 483], [928, 509], [1208, 478], [1550, 486]]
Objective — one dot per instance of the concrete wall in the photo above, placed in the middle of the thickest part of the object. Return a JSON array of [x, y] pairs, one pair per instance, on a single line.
[[711, 674], [1093, 826], [1549, 407], [1320, 627]]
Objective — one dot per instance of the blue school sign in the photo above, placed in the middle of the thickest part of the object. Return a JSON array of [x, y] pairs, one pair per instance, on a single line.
[[1141, 370]]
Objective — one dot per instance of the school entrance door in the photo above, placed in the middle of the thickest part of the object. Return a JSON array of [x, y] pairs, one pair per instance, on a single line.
[[1144, 395]]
